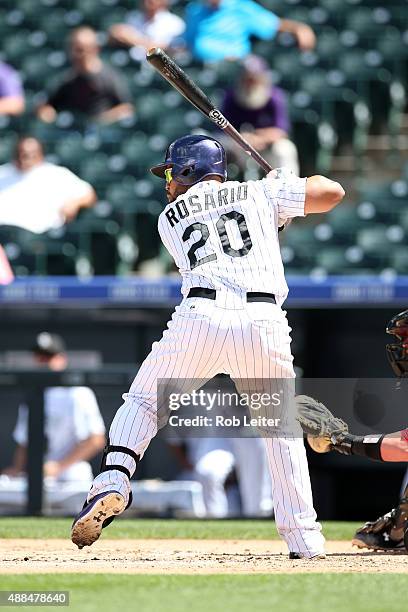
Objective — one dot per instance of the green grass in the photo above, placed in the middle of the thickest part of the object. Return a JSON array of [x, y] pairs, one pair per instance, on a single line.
[[223, 593], [145, 529], [200, 593]]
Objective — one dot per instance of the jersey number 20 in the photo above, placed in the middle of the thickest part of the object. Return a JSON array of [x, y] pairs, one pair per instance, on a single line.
[[222, 232]]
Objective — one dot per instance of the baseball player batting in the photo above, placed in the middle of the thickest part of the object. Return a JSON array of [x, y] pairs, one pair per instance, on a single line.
[[223, 236]]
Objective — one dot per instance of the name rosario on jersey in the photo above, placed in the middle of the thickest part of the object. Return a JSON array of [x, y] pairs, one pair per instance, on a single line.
[[195, 204]]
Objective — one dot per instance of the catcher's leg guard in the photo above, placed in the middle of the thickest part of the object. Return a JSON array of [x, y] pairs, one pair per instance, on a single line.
[[400, 526], [389, 532]]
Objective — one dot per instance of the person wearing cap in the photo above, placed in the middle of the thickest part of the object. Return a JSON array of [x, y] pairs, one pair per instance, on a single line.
[[258, 109], [74, 428]]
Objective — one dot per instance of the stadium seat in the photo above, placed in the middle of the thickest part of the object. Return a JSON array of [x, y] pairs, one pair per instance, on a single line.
[[48, 133], [333, 5], [393, 46], [128, 251], [31, 10], [122, 195], [56, 28], [95, 240], [71, 152], [403, 219], [345, 221], [4, 25], [287, 64], [149, 108], [396, 190], [90, 8], [16, 46], [399, 260], [225, 74], [110, 137], [37, 254], [388, 210], [328, 46], [374, 240], [12, 234], [398, 97], [109, 17], [138, 153], [332, 259], [7, 146], [99, 15], [95, 170], [368, 23], [360, 65], [299, 235], [37, 69]]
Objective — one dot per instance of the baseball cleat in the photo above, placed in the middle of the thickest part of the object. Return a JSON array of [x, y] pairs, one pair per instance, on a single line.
[[95, 515], [297, 555]]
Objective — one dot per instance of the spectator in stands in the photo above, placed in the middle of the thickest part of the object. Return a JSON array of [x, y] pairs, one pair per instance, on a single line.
[[90, 88], [11, 91], [37, 195], [74, 428], [222, 29], [154, 26], [259, 110]]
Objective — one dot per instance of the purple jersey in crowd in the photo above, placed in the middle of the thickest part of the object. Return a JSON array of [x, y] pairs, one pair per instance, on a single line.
[[273, 114], [10, 82]]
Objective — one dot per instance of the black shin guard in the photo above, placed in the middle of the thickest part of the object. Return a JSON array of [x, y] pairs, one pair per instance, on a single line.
[[111, 448]]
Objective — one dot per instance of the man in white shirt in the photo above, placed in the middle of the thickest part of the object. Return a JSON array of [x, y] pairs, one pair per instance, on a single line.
[[37, 195], [155, 26], [74, 428]]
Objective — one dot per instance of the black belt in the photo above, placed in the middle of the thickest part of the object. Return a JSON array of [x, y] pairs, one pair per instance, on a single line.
[[251, 296]]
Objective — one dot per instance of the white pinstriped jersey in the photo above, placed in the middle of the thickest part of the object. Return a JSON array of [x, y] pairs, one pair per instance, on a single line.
[[225, 235]]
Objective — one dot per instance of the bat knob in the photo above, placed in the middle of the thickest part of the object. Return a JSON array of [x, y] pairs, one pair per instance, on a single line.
[[153, 51]]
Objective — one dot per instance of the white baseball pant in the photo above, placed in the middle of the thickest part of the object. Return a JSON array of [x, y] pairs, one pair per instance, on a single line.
[[204, 338]]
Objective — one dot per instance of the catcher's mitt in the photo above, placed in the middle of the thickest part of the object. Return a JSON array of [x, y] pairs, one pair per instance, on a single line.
[[319, 424]]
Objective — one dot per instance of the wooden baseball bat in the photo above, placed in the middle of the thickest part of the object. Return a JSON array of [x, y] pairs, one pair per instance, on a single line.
[[182, 82]]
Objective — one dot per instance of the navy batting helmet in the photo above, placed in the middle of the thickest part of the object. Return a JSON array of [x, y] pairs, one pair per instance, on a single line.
[[397, 352], [192, 159]]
